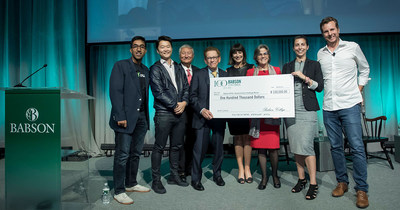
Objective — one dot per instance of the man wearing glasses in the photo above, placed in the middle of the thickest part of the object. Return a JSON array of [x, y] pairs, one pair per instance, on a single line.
[[203, 121], [129, 85]]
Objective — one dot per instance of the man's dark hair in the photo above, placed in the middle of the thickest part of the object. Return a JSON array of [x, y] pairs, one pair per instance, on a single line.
[[327, 20], [163, 38], [138, 38], [234, 49], [300, 37]]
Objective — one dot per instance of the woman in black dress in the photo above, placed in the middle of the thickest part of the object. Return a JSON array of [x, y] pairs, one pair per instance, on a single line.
[[239, 128]]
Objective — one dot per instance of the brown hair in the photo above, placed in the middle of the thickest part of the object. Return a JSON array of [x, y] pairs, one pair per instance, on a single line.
[[327, 20], [211, 48], [257, 52]]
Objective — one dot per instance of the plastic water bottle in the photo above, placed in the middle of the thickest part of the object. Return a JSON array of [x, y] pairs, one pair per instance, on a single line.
[[106, 194], [398, 129], [320, 134]]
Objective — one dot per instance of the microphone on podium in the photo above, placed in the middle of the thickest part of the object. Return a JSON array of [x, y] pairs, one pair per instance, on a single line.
[[20, 84]]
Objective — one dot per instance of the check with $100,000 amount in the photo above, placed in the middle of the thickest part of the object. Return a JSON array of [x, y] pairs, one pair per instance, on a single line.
[[269, 96]]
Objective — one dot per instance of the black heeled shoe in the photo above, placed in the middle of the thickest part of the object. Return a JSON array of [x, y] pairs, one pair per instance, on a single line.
[[241, 180], [312, 192], [249, 180], [301, 184], [277, 182], [262, 186]]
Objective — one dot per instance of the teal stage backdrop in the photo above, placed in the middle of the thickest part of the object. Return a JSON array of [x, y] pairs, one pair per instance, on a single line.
[[38, 32]]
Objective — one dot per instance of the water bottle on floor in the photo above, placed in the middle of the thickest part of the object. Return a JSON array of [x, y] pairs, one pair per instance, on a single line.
[[320, 134], [106, 194]]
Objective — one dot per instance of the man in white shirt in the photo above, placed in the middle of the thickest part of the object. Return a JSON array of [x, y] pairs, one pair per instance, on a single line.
[[341, 61], [170, 89]]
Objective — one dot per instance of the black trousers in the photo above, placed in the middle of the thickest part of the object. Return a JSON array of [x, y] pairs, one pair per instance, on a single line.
[[201, 146], [172, 126], [186, 153]]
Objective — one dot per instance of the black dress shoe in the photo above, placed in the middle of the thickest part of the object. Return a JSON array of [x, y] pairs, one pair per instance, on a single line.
[[197, 186], [158, 187], [177, 180], [219, 181], [277, 182], [262, 186], [183, 177]]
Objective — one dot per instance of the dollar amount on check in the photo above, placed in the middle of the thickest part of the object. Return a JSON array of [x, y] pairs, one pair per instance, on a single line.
[[252, 97]]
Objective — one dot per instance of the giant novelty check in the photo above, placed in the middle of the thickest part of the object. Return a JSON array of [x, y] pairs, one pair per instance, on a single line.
[[252, 97]]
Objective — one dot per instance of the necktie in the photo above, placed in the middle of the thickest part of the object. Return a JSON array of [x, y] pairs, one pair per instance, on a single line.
[[214, 73], [189, 76]]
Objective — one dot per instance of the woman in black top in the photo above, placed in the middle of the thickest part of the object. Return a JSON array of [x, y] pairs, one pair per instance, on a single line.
[[239, 128]]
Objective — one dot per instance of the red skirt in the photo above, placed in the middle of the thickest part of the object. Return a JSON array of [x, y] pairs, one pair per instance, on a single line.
[[269, 137]]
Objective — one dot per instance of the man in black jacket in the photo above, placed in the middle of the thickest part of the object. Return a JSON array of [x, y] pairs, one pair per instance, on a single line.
[[170, 89]]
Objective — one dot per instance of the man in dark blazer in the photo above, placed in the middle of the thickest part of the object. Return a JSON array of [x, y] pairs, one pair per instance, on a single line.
[[203, 120], [186, 55], [170, 89], [129, 85]]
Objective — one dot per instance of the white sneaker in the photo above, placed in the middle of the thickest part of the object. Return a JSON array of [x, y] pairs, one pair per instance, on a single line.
[[122, 198], [137, 188]]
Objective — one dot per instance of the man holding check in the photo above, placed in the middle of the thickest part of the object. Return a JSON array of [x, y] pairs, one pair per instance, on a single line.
[[203, 120]]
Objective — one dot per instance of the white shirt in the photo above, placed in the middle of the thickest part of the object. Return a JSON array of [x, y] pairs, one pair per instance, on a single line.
[[186, 68], [210, 73], [339, 69], [171, 71]]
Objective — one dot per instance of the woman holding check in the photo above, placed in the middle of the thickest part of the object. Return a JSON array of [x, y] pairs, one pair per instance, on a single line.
[[265, 132], [239, 128], [301, 129]]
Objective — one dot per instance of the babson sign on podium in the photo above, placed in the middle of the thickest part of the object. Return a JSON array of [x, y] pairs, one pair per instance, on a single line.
[[33, 148]]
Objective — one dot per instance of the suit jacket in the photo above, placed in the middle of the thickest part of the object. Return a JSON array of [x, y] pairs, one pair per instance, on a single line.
[[126, 95], [312, 69], [194, 70], [166, 97], [200, 98]]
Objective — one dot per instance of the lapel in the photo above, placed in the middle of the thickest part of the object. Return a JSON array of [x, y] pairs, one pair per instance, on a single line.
[[177, 76], [207, 77], [305, 66], [134, 76], [222, 73], [166, 74], [291, 66]]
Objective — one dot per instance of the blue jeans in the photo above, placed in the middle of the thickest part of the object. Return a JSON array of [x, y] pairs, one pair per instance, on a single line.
[[128, 148], [350, 120]]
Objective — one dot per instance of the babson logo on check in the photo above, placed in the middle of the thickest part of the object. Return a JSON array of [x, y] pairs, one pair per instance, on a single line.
[[32, 115], [227, 82]]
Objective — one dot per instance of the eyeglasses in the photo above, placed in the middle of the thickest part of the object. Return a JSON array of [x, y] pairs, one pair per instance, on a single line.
[[139, 46], [212, 58]]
